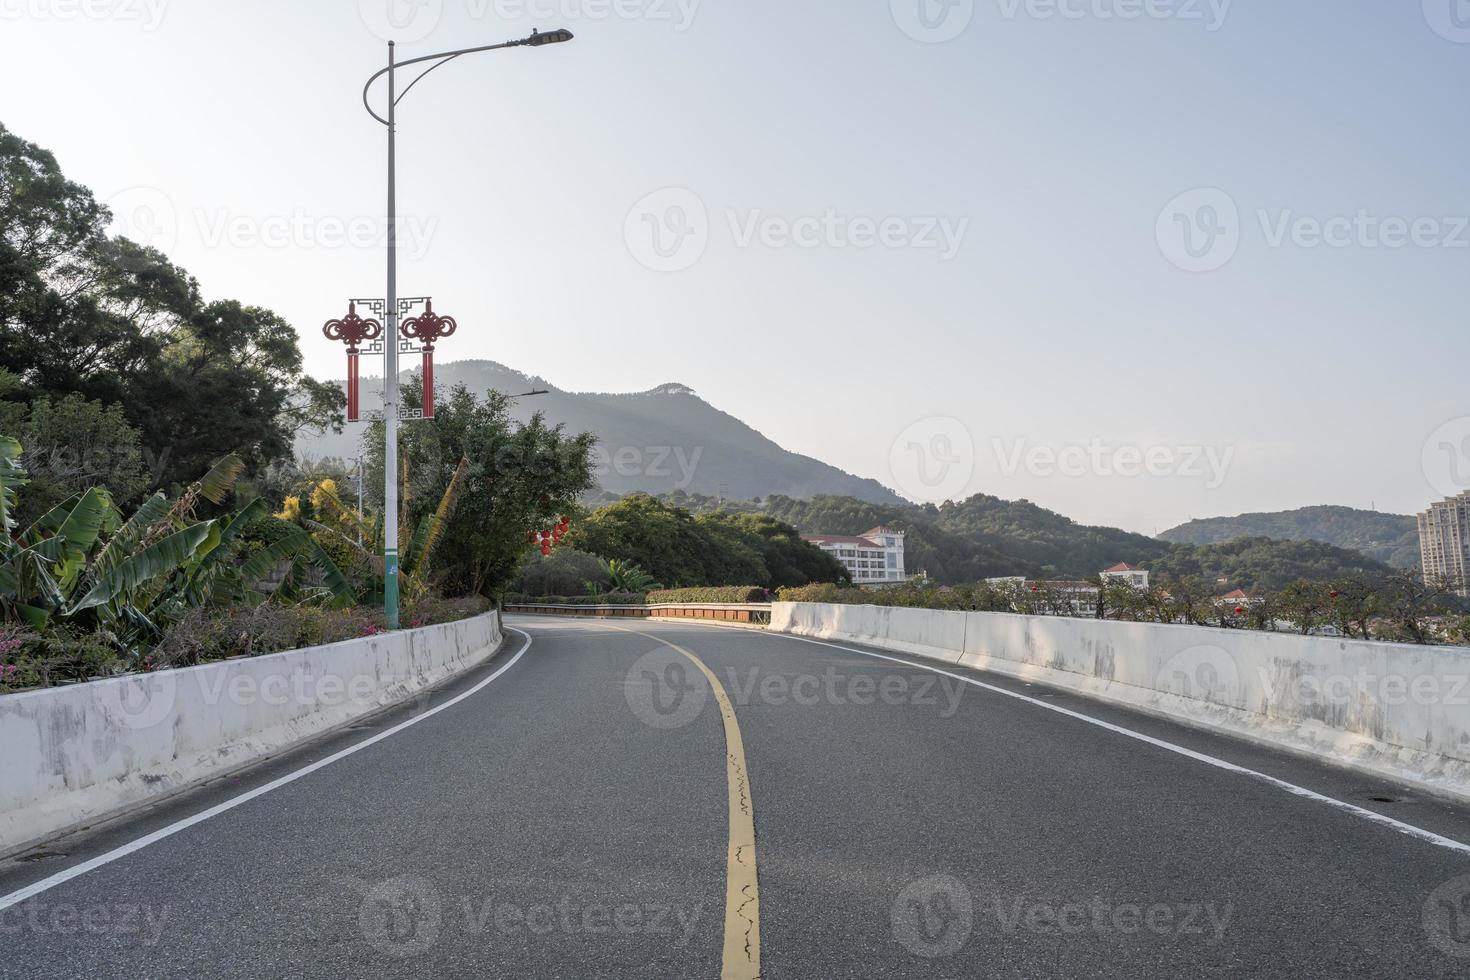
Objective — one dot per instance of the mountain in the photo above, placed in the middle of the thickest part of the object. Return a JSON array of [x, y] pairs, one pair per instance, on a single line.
[[657, 442], [1390, 538], [986, 537]]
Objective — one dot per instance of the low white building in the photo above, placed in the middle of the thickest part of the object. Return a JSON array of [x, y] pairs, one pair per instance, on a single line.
[[1124, 572], [872, 558]]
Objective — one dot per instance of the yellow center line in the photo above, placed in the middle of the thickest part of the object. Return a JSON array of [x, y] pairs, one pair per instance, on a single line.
[[742, 955]]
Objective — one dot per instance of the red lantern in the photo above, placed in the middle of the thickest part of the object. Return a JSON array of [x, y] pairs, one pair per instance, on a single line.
[[545, 551], [532, 537], [1240, 610]]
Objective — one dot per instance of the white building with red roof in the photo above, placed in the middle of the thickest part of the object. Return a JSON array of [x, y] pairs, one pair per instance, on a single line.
[[874, 557], [1124, 572]]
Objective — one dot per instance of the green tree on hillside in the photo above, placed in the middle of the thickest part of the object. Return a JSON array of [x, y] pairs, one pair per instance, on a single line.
[[520, 478], [118, 323], [72, 444], [681, 550]]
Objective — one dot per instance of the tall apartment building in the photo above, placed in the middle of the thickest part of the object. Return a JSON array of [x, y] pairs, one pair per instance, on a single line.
[[1444, 540], [872, 558]]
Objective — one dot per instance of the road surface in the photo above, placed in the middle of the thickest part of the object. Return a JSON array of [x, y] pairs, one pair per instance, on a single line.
[[665, 800]]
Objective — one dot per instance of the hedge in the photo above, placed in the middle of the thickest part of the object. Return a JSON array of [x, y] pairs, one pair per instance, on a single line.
[[611, 599], [729, 594]]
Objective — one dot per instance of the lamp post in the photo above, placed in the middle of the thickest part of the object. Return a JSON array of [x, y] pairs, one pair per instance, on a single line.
[[390, 346]]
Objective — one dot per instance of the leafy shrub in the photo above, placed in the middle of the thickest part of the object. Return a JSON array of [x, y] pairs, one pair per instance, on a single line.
[[722, 594], [31, 660], [431, 610], [205, 635], [566, 571], [981, 597], [608, 599]]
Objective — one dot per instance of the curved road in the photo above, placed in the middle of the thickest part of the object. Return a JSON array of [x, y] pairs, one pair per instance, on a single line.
[[581, 807]]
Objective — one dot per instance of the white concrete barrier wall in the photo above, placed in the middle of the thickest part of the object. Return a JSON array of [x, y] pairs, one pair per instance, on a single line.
[[1395, 709], [76, 754]]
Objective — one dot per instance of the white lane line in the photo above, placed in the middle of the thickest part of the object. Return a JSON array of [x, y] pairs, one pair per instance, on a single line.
[[61, 877], [1408, 830]]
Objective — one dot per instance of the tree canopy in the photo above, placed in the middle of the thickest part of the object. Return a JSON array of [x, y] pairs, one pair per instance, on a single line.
[[679, 549], [117, 323], [518, 479]]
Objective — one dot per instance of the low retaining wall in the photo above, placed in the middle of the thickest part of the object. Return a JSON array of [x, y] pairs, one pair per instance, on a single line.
[[1397, 710], [722, 612], [80, 753]]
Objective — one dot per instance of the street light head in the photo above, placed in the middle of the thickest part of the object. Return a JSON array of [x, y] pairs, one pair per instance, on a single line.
[[550, 37]]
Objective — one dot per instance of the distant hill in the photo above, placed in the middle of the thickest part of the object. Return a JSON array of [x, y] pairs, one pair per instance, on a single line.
[[656, 442], [986, 537], [1390, 538]]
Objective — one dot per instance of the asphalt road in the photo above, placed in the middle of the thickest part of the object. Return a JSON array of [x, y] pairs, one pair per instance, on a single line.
[[579, 816]]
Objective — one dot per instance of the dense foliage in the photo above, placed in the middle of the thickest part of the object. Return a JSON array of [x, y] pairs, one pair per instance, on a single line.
[[1261, 563], [85, 591], [734, 594], [606, 599], [513, 479], [1398, 608], [72, 444], [109, 321], [985, 537], [565, 572], [682, 550], [1389, 538]]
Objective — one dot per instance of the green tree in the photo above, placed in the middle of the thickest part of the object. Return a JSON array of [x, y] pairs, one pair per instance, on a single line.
[[565, 572], [788, 559], [1306, 604], [1356, 602], [1409, 602], [73, 444], [713, 549], [519, 478], [626, 576], [118, 323]]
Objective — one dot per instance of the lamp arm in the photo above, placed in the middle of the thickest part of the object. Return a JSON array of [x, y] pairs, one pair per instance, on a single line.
[[442, 57]]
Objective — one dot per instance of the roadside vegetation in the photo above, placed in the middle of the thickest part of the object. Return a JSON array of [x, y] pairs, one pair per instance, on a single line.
[[1399, 608]]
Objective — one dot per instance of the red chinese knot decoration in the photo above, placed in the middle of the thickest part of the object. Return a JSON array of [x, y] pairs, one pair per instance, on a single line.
[[428, 329], [352, 330]]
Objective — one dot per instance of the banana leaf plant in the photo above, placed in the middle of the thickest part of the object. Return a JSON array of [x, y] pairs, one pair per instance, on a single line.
[[365, 536], [82, 563]]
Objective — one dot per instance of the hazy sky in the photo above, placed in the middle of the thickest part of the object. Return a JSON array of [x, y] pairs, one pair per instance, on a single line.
[[940, 243]]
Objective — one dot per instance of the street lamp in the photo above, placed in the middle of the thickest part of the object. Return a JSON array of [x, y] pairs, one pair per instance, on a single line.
[[390, 346]]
